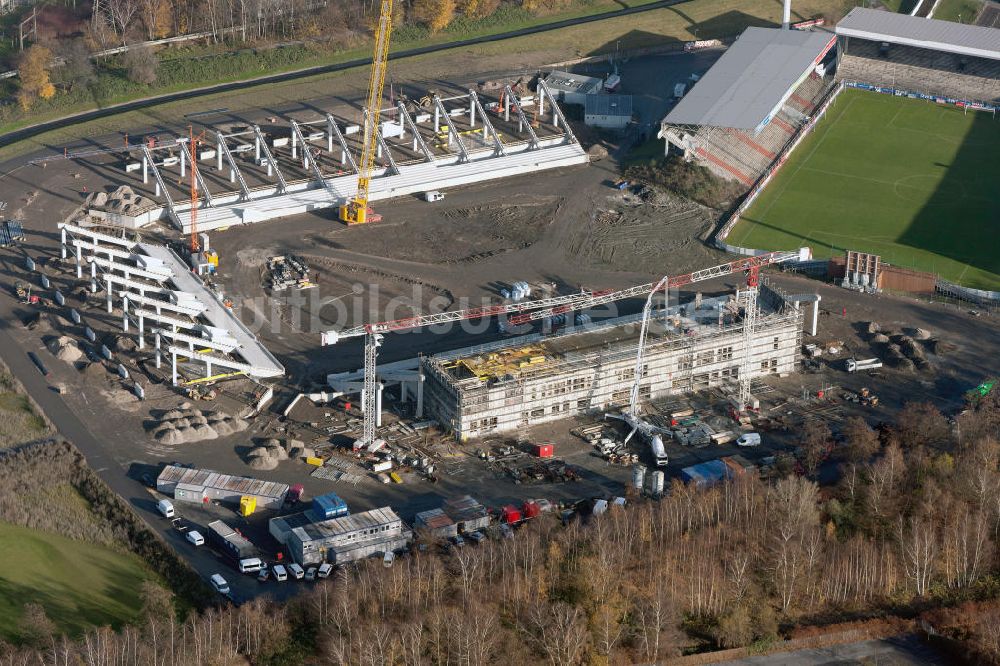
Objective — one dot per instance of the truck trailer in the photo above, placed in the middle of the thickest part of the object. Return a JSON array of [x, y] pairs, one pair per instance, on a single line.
[[854, 365]]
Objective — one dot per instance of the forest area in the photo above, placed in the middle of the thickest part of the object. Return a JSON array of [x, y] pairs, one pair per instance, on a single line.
[[909, 533]]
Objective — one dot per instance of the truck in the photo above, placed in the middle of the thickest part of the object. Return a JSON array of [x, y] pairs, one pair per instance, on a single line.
[[854, 365], [659, 453]]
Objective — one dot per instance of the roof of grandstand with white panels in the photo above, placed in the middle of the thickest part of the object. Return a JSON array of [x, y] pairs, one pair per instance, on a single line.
[[882, 26], [163, 291], [752, 79]]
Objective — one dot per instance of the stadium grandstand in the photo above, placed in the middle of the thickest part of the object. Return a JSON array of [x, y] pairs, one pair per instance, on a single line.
[[919, 55], [739, 117]]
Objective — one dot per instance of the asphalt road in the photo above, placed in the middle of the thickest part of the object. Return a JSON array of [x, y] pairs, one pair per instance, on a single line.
[[34, 130]]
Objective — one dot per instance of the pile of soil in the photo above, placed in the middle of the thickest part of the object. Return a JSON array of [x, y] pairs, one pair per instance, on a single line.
[[273, 451], [65, 349], [186, 425]]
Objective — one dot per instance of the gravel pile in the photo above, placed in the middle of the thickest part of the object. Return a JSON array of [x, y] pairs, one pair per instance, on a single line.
[[183, 426], [273, 451]]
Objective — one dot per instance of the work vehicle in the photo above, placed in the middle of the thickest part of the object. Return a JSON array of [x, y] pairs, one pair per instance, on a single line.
[[476, 537], [749, 439], [24, 294], [659, 452], [311, 573], [280, 573], [854, 365], [220, 584], [250, 565], [324, 570], [433, 195], [166, 508], [195, 537], [297, 571], [388, 558]]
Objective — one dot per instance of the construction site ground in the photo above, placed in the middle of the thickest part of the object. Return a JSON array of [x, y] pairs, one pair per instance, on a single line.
[[565, 229]]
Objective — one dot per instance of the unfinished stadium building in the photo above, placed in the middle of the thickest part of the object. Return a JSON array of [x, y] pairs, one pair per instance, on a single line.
[[517, 383], [742, 113], [254, 173]]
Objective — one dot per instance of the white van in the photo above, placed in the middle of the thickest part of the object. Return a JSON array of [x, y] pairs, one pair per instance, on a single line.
[[195, 537], [297, 571], [324, 570], [280, 574], [220, 584], [749, 439], [166, 508], [250, 565]]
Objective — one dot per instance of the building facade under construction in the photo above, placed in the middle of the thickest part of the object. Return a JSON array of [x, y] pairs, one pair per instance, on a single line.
[[531, 379]]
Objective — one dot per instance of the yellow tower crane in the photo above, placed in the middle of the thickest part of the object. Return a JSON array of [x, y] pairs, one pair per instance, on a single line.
[[356, 211]]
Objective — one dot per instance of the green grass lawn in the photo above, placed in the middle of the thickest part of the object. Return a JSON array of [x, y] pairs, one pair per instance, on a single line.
[[964, 11], [80, 585], [907, 179]]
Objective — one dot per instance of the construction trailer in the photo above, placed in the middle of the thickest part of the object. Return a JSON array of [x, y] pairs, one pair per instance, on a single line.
[[612, 112], [233, 545], [437, 523], [199, 486], [350, 538], [469, 515], [532, 379], [572, 88]]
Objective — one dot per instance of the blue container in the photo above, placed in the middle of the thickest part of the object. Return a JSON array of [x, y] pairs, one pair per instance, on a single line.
[[329, 506]]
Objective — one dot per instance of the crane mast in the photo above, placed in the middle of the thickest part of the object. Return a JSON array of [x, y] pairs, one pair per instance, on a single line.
[[356, 210]]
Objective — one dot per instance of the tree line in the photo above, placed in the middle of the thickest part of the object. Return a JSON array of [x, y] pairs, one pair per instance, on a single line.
[[66, 64], [912, 524]]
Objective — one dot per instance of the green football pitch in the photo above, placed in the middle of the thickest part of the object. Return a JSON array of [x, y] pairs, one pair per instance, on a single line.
[[913, 181]]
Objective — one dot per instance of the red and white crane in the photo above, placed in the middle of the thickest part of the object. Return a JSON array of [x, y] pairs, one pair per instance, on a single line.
[[527, 311]]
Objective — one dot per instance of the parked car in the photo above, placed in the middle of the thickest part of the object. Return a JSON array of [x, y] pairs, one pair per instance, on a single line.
[[506, 531], [264, 574], [280, 573], [388, 559], [220, 584], [195, 537], [250, 565], [324, 570], [297, 571], [166, 508], [458, 541], [311, 573], [749, 439], [476, 537]]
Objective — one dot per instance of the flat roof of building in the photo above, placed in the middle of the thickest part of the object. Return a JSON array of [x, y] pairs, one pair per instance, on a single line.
[[752, 79], [434, 519], [883, 26], [347, 524], [205, 478], [559, 81], [608, 105]]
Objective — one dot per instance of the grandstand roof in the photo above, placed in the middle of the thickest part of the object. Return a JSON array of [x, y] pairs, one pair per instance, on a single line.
[[883, 26], [752, 79]]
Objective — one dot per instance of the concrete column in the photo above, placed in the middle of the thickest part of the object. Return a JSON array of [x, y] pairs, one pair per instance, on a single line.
[[378, 405], [815, 318], [173, 364], [159, 354], [786, 15], [270, 168], [145, 170], [232, 176], [109, 296], [125, 314], [156, 188], [329, 140], [218, 156], [420, 396], [79, 263], [256, 148], [183, 161], [437, 119], [142, 337], [63, 247], [402, 391], [208, 370], [378, 150], [295, 151], [541, 102], [472, 114], [93, 278]]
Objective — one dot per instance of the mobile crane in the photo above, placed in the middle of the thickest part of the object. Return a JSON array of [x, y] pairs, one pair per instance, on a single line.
[[356, 211]]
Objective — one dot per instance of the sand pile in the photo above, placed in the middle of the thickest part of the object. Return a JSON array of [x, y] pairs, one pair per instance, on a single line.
[[872, 327], [273, 451], [65, 348], [186, 425]]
